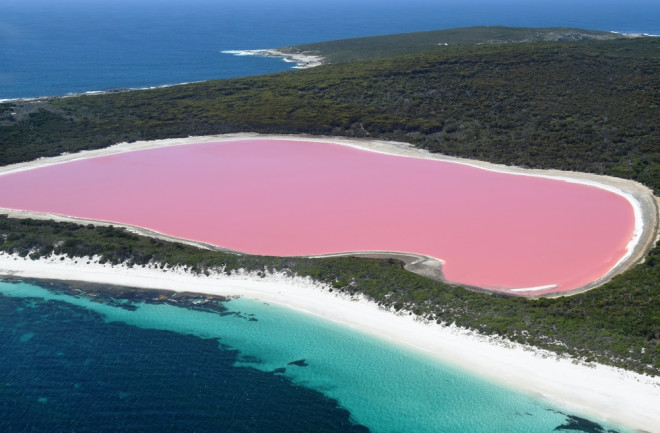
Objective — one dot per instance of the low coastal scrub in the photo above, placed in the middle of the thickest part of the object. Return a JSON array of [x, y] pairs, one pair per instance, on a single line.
[[584, 106], [616, 324], [350, 50], [590, 106]]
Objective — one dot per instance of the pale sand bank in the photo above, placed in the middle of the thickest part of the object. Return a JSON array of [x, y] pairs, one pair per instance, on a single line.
[[606, 393], [641, 198], [302, 61]]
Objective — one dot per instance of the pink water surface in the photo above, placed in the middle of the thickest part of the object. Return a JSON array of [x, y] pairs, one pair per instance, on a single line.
[[279, 197]]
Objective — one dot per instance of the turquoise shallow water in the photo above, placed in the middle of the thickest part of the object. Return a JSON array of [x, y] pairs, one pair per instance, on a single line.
[[292, 356]]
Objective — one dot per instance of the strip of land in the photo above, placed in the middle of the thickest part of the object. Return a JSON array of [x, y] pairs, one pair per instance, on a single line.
[[346, 50], [640, 197], [605, 393]]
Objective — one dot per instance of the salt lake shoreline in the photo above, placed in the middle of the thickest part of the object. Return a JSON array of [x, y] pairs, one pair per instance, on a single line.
[[604, 393], [641, 198]]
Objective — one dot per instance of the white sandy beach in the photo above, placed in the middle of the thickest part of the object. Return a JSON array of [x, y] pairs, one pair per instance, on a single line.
[[606, 393], [602, 392]]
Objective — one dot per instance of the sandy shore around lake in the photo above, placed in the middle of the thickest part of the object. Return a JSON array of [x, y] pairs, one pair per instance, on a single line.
[[641, 198], [604, 393]]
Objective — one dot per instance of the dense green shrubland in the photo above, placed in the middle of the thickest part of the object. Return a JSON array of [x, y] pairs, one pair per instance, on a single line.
[[617, 324], [349, 50], [586, 106]]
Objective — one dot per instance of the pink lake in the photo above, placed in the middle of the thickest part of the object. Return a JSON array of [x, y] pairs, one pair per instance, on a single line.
[[281, 197]]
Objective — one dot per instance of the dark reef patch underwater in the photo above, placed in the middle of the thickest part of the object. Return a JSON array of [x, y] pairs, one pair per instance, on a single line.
[[64, 368], [116, 360]]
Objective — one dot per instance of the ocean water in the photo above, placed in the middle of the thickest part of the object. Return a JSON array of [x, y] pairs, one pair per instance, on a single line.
[[60, 47], [68, 363]]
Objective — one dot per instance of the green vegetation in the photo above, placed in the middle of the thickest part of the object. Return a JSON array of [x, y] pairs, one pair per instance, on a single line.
[[348, 50], [575, 105], [617, 324], [585, 106]]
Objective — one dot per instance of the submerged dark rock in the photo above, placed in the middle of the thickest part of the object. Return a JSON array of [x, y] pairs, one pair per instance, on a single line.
[[127, 297], [583, 425]]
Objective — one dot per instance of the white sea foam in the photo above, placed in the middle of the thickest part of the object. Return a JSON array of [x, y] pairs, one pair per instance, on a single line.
[[302, 60], [239, 52], [633, 34]]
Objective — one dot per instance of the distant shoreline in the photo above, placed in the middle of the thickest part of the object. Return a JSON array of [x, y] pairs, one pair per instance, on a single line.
[[635, 34], [302, 61], [96, 92]]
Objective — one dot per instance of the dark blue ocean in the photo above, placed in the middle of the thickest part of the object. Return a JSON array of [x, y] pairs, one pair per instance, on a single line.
[[58, 47]]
